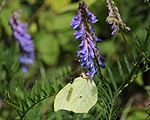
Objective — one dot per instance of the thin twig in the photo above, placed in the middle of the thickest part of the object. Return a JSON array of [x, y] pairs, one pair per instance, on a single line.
[[42, 7], [126, 43]]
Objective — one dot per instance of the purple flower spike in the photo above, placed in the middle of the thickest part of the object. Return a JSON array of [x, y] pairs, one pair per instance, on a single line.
[[24, 39], [88, 53], [114, 18], [76, 22], [92, 17]]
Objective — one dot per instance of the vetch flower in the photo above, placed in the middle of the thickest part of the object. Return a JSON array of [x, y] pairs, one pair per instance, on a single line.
[[88, 53], [114, 18], [24, 39]]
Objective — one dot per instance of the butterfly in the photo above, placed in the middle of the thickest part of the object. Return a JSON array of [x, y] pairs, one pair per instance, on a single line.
[[79, 96]]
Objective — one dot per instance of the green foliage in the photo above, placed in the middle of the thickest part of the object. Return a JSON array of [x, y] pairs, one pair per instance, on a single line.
[[40, 92], [31, 95], [109, 92]]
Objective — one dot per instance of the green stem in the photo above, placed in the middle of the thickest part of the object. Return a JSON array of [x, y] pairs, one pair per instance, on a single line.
[[22, 116], [127, 80], [126, 43], [42, 7], [148, 2]]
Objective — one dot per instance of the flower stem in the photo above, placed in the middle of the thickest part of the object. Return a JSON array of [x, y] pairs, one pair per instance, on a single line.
[[126, 43], [42, 7]]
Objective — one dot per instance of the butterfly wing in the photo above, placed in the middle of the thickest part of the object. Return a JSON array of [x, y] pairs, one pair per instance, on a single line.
[[78, 97]]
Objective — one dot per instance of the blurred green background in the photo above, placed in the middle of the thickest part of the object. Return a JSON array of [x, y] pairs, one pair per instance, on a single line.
[[49, 25]]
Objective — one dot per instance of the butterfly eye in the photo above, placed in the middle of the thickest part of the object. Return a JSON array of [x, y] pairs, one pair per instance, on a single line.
[[71, 80]]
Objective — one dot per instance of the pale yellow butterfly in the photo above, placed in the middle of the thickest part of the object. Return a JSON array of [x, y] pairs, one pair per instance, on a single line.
[[79, 97]]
